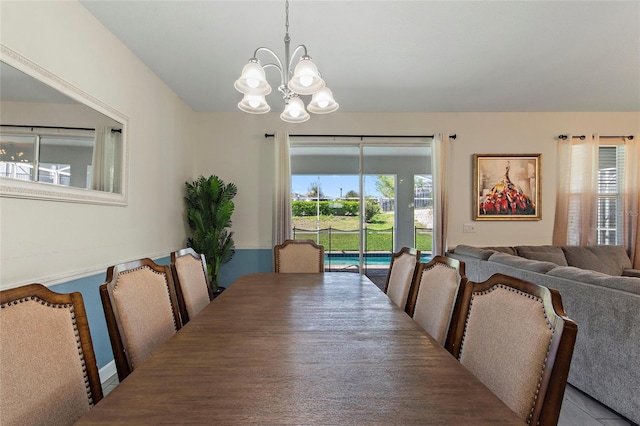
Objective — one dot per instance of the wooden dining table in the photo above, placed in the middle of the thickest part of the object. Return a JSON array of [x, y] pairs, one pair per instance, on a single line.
[[301, 349]]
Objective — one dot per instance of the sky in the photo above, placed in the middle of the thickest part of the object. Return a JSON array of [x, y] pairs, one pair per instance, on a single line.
[[330, 184]]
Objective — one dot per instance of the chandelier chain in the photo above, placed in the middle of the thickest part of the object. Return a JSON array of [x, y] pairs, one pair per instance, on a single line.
[[286, 9]]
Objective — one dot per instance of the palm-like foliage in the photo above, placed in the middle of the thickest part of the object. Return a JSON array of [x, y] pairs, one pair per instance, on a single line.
[[209, 209]]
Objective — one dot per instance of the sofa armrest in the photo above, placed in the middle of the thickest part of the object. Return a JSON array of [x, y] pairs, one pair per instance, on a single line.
[[631, 273]]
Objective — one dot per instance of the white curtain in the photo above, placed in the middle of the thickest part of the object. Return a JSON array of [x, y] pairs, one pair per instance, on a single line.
[[105, 163], [282, 190], [631, 200], [577, 192], [439, 161]]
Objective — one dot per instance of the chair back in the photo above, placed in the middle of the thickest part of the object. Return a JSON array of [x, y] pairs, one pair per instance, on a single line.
[[435, 294], [141, 310], [400, 275], [191, 280], [515, 337], [48, 371], [298, 256]]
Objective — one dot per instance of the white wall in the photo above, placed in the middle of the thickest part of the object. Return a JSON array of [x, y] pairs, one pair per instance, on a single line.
[[43, 241], [233, 146]]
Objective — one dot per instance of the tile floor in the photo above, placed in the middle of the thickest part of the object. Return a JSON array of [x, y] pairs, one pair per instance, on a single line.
[[578, 409]]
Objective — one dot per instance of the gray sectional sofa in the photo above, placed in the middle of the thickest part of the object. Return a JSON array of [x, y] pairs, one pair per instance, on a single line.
[[600, 292]]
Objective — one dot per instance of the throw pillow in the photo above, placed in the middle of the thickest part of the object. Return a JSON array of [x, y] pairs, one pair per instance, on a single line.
[[522, 263], [605, 259], [551, 254]]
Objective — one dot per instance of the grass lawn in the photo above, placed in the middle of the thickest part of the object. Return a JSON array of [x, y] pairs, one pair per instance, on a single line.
[[379, 236]]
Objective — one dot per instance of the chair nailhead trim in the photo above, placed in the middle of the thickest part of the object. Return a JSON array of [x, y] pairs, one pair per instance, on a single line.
[[530, 296], [74, 323], [444, 266], [164, 276]]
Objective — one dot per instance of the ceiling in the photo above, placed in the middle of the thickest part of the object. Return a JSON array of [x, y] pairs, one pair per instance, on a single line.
[[397, 56]]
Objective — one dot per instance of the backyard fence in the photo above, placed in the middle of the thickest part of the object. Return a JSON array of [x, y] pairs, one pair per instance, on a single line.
[[375, 240]]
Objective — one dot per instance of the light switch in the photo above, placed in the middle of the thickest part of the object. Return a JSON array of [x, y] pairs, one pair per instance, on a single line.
[[469, 227]]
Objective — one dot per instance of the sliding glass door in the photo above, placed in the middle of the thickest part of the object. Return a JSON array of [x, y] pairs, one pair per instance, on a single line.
[[397, 171], [325, 200], [362, 199]]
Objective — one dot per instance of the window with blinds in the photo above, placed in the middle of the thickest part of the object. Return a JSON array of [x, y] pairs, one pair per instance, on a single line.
[[610, 173]]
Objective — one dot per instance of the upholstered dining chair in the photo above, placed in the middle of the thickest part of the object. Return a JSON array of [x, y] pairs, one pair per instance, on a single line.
[[435, 295], [191, 280], [516, 338], [298, 256], [401, 272], [141, 310], [48, 371]]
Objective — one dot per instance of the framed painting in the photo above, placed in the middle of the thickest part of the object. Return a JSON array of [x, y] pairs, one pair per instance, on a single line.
[[506, 187]]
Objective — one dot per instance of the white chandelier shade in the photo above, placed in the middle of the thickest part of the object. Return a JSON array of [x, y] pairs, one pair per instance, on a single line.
[[253, 80], [322, 102], [254, 104], [294, 111], [305, 80]]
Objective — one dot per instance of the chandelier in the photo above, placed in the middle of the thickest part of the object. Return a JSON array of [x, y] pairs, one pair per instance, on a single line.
[[305, 80]]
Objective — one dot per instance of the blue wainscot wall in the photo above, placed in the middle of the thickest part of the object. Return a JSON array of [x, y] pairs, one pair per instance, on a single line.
[[243, 262]]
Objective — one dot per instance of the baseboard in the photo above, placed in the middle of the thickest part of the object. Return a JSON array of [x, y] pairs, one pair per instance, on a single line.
[[107, 371]]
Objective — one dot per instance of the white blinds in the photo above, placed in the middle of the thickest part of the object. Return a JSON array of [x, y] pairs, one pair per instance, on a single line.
[[610, 179]]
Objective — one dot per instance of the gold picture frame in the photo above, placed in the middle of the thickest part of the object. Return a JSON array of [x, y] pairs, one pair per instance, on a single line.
[[506, 187]]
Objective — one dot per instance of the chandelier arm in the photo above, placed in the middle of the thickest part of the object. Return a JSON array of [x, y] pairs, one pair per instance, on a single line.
[[266, 49], [276, 66], [295, 52]]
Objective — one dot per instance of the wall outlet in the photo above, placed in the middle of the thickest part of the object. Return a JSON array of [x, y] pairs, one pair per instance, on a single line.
[[469, 227]]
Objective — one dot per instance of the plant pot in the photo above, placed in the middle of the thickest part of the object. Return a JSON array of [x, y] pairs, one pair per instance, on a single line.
[[218, 291]]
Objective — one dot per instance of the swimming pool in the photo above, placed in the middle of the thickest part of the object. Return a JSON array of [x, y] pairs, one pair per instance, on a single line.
[[370, 259]]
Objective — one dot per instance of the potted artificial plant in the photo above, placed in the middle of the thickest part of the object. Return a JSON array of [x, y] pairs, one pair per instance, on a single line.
[[209, 208]]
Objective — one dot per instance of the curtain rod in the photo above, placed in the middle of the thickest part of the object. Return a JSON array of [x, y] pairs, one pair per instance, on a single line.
[[582, 137], [48, 127], [270, 135], [56, 127]]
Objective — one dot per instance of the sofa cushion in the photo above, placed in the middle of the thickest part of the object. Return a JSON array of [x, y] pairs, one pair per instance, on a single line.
[[522, 263], [504, 249], [551, 254], [572, 273], [477, 252], [611, 260]]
